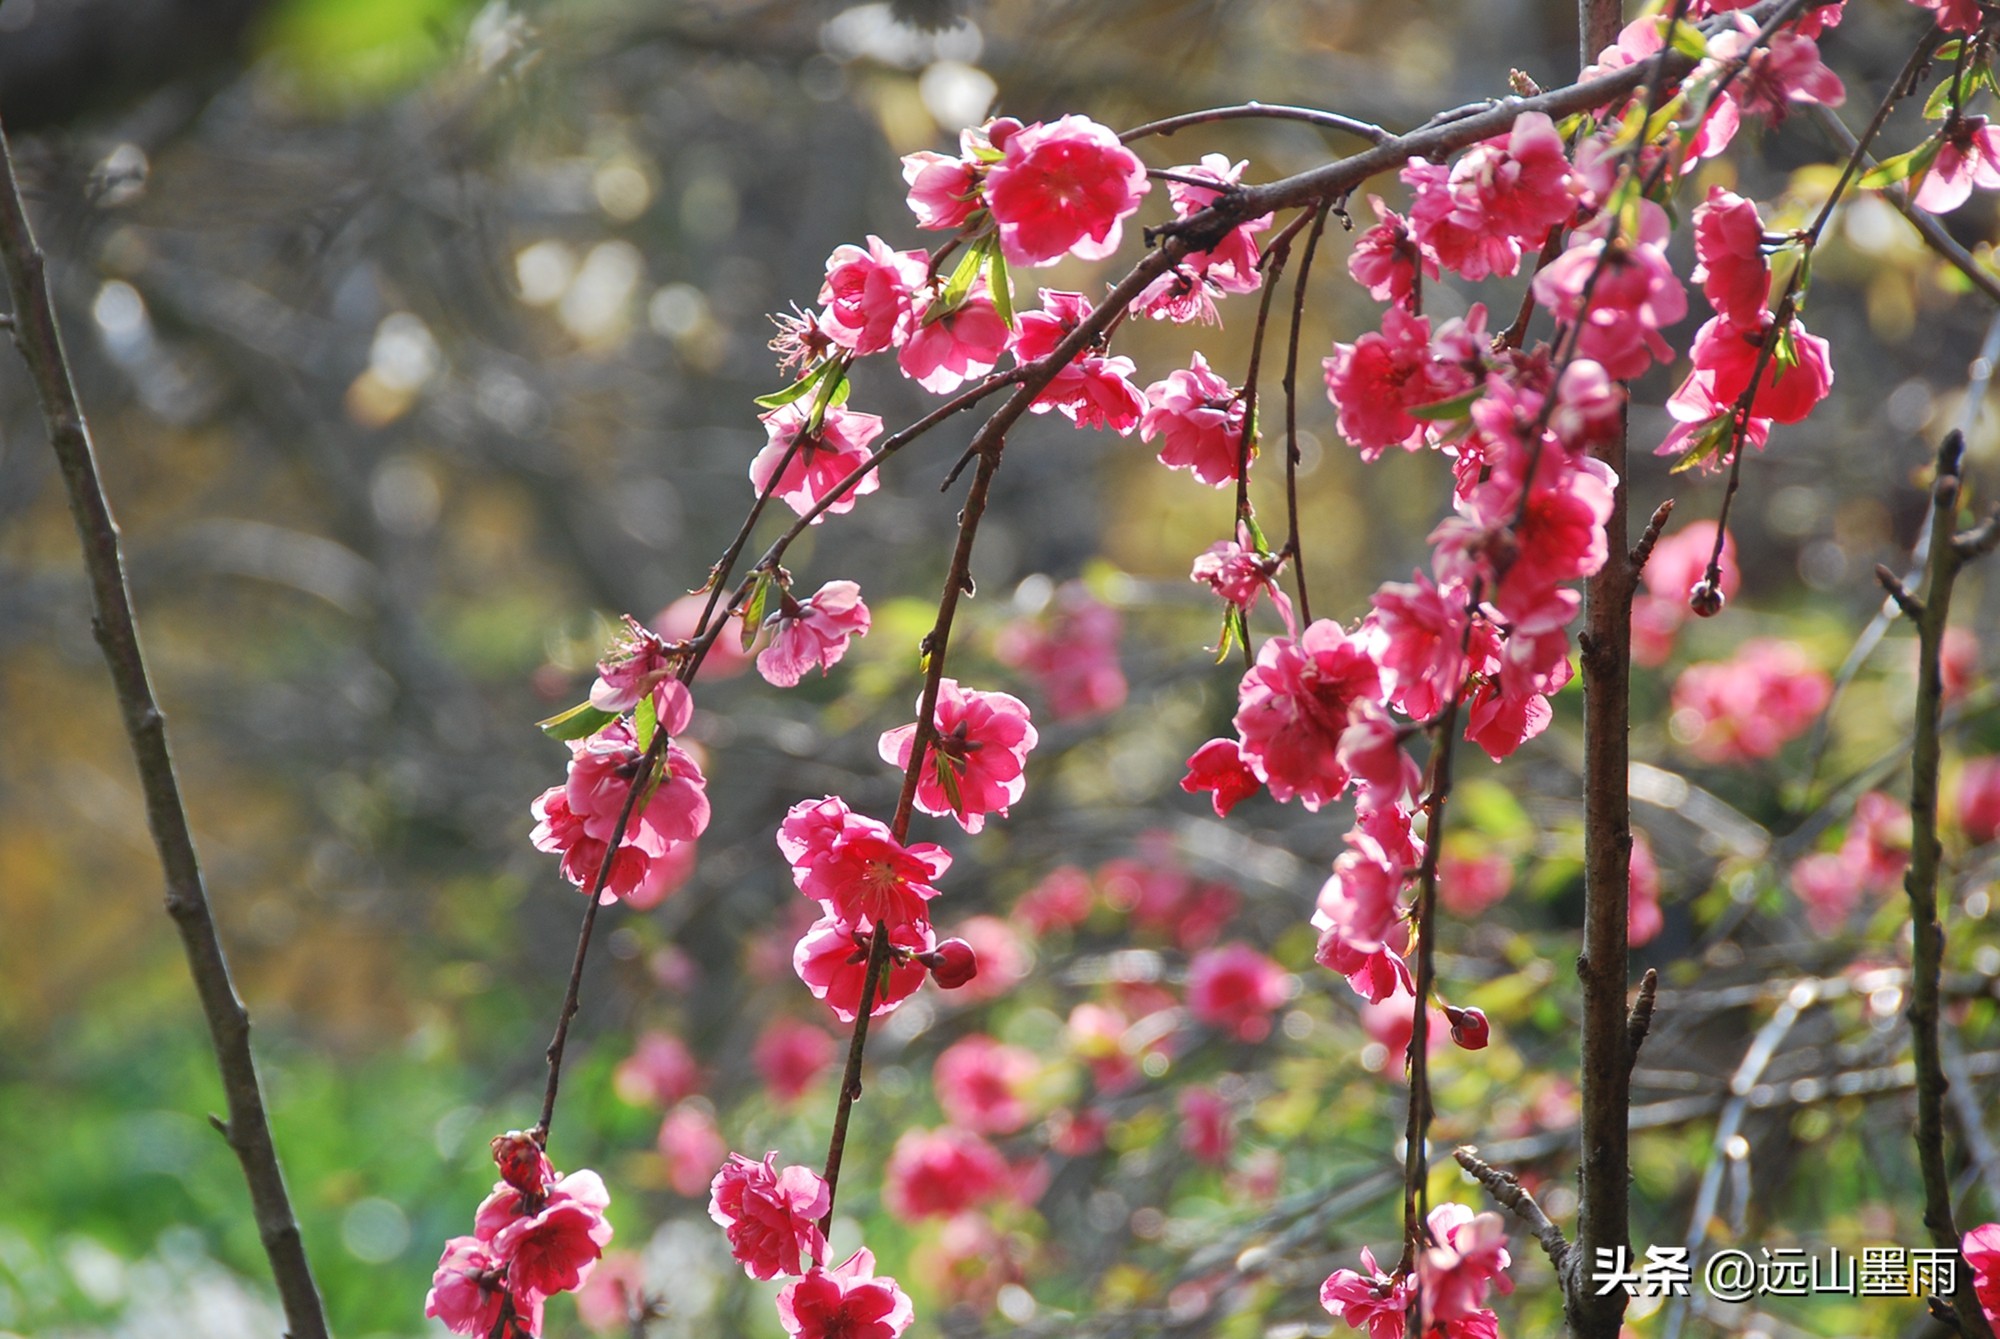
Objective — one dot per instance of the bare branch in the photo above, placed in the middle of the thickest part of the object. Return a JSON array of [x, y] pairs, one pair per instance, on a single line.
[[1508, 1192], [247, 1128]]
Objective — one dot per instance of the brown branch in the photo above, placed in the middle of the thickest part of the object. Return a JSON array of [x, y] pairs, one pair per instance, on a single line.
[[1508, 1192], [1639, 1021], [1263, 111], [1921, 880], [248, 1129], [1649, 537], [1292, 544]]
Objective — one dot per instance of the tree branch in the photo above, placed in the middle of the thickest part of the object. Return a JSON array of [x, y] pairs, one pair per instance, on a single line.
[[1508, 1192], [248, 1130]]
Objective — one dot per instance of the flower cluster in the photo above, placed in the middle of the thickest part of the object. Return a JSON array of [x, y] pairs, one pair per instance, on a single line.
[[539, 1233], [1466, 1257]]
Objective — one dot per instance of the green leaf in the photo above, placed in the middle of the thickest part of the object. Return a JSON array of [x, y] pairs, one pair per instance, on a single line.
[[1002, 285], [959, 284], [795, 391], [1438, 411], [1711, 441], [1938, 105], [753, 612], [579, 722], [1232, 621], [1262, 544], [1949, 51], [832, 391], [947, 768], [645, 720], [1902, 167], [1687, 40]]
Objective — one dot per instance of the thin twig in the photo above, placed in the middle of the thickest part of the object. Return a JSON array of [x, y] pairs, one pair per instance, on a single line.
[[1921, 879], [1293, 546], [1639, 1021], [248, 1129], [1508, 1192], [1263, 111]]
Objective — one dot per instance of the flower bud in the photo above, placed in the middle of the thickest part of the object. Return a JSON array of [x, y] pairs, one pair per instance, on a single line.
[[952, 964], [1468, 1028], [1705, 599], [523, 1165]]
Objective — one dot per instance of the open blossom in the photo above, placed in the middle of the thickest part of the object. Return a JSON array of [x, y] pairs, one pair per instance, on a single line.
[[1198, 419], [1386, 259], [937, 1173], [470, 1294], [856, 867], [1063, 189], [944, 191], [820, 461], [1236, 571], [1500, 198], [981, 1084], [1071, 653], [554, 1248], [1678, 562], [1293, 705], [870, 292], [790, 1055], [770, 1216], [832, 959], [946, 349], [1636, 294], [845, 1302], [1217, 769], [1421, 633], [1092, 391], [1236, 989], [976, 758], [1470, 1256], [1726, 356], [1979, 800], [576, 820], [661, 1071], [1369, 1300], [1968, 157], [1384, 374], [691, 1147], [642, 662], [1188, 291], [1982, 1252], [1782, 70], [1729, 251], [1749, 706], [815, 633]]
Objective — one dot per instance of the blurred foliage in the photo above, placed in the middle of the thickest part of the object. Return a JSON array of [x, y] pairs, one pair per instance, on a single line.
[[421, 346]]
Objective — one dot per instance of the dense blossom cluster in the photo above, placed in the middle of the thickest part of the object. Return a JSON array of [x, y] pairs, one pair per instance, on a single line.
[[1325, 712]]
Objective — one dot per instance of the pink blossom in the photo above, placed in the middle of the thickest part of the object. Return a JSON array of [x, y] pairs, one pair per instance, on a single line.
[[1829, 885], [1643, 918], [1878, 841], [1678, 562], [1749, 706], [832, 959], [790, 1055], [815, 633], [1498, 199], [1726, 355], [981, 1084], [691, 1146], [1237, 572], [954, 964], [944, 192], [661, 1071], [1218, 769], [845, 1302], [616, 1286], [856, 867], [1979, 800], [1419, 642], [869, 292], [946, 349], [1981, 1247], [1470, 1255], [1199, 419], [820, 462], [1375, 970], [1061, 900], [643, 662], [1955, 16], [576, 820], [1071, 654], [1467, 884], [1379, 378], [1188, 291], [1635, 297], [1387, 261], [1208, 1124], [1235, 989], [469, 1293], [1729, 248], [771, 1217], [976, 759], [1369, 1300], [1293, 705], [1091, 390], [1371, 749], [1785, 69], [554, 1248], [937, 1173], [1063, 189], [1968, 157]]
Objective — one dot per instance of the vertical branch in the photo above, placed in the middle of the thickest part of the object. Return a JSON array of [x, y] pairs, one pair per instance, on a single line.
[[1602, 1221], [1949, 552], [1292, 545], [248, 1130]]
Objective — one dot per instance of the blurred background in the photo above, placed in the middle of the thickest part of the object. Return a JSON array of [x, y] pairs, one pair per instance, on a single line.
[[419, 339]]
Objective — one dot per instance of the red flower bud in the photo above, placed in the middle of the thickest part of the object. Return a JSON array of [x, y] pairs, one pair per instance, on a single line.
[[1706, 599], [523, 1165], [1469, 1028], [953, 964]]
